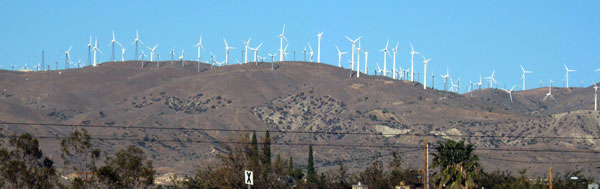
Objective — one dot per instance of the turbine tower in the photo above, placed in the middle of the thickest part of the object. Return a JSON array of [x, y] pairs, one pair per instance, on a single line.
[[255, 52], [366, 62], [227, 47], [96, 49], [412, 62], [340, 53], [358, 60], [394, 59], [152, 52], [353, 48], [510, 93], [523, 76], [112, 43], [385, 53], [89, 53], [425, 62], [319, 35], [567, 74], [281, 37], [445, 77], [122, 54], [136, 41], [198, 45], [68, 57], [246, 44], [549, 94], [311, 52], [491, 78]]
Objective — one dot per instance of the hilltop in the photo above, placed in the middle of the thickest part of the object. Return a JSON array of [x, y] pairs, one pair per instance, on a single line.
[[295, 96]]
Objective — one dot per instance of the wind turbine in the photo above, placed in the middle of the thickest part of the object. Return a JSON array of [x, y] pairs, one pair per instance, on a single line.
[[353, 47], [480, 82], [385, 53], [311, 52], [68, 57], [136, 41], [567, 74], [358, 60], [112, 43], [255, 52], [272, 56], [152, 52], [549, 94], [394, 59], [340, 53], [319, 35], [246, 44], [366, 62], [491, 78], [227, 47], [595, 96], [445, 77], [182, 58], [198, 45], [379, 69], [122, 54], [523, 76], [95, 49], [281, 37], [89, 52], [425, 62], [452, 85], [510, 92], [412, 62]]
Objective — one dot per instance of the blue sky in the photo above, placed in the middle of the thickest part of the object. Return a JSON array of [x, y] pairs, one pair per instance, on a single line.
[[469, 37]]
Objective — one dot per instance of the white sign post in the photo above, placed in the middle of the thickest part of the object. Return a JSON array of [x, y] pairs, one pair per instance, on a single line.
[[248, 178]]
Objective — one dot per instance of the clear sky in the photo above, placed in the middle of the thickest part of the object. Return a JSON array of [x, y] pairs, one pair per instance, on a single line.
[[469, 37]]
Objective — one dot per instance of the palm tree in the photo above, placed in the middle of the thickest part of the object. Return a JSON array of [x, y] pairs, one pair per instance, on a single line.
[[457, 165]]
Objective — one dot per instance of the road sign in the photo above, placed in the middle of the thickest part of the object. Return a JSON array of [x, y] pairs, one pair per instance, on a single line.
[[248, 177]]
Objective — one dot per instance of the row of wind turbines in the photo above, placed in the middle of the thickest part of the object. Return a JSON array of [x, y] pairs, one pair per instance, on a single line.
[[354, 62]]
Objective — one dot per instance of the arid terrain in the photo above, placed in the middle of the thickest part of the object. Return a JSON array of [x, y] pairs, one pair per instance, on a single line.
[[182, 117]]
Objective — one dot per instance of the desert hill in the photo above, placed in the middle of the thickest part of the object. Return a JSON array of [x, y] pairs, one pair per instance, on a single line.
[[307, 98]]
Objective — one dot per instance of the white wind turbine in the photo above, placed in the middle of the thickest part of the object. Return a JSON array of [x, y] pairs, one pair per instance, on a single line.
[[425, 62], [319, 35], [353, 47], [227, 47], [246, 45], [523, 76], [412, 62], [198, 45], [379, 69], [445, 77], [549, 94], [281, 37], [112, 43], [152, 52], [452, 85], [122, 54], [89, 52], [311, 52], [510, 93], [136, 41], [479, 83], [491, 78], [395, 50], [567, 74], [385, 53], [366, 62], [255, 52], [182, 57], [358, 60], [96, 49], [68, 57], [340, 53]]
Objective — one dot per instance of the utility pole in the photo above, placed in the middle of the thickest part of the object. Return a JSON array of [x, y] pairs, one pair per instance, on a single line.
[[43, 65], [432, 80], [426, 169], [550, 181]]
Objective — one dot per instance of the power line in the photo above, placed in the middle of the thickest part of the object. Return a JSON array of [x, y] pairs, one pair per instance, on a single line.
[[297, 132], [541, 162]]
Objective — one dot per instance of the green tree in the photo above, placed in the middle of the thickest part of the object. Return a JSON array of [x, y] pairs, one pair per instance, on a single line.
[[77, 151], [342, 174], [266, 157], [375, 175], [294, 172], [25, 165], [254, 157], [311, 174], [128, 168], [457, 165]]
